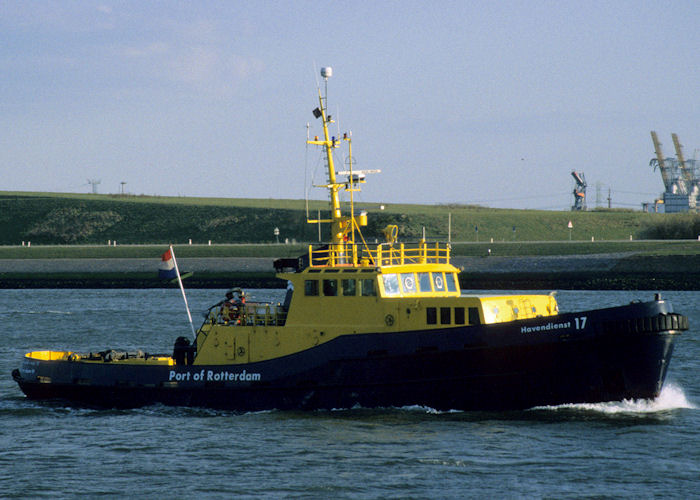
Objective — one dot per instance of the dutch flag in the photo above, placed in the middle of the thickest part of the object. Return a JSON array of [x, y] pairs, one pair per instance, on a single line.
[[167, 270]]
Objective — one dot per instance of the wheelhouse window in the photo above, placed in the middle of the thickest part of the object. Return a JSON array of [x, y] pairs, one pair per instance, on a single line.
[[367, 288], [459, 315], [438, 282], [431, 315], [424, 282], [445, 315], [474, 316], [408, 283], [310, 287], [450, 280], [330, 288], [391, 284], [349, 286]]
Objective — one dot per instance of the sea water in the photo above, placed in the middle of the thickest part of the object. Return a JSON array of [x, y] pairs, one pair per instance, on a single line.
[[641, 448]]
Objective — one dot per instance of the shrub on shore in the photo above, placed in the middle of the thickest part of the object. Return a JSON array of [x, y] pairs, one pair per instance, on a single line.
[[676, 227]]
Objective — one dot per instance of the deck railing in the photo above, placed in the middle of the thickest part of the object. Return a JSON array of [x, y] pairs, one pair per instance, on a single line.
[[253, 313], [384, 254]]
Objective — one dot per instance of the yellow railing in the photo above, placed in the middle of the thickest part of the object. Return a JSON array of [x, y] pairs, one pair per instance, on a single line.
[[259, 313], [254, 313], [383, 254]]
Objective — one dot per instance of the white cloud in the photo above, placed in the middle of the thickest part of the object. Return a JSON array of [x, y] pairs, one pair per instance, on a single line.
[[211, 68], [202, 57], [197, 54], [145, 51]]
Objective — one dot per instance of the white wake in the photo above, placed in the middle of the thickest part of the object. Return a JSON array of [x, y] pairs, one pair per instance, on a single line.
[[672, 397]]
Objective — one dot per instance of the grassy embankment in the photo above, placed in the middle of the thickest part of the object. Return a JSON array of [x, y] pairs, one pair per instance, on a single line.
[[272, 250], [60, 219], [79, 226]]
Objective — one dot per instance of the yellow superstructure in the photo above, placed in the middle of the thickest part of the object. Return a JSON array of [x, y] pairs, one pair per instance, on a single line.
[[329, 300], [351, 288]]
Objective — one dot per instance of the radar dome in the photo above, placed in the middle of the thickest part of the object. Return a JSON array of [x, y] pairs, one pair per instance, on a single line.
[[327, 72]]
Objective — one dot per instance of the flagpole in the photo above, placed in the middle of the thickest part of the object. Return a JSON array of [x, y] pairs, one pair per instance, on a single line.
[[182, 289]]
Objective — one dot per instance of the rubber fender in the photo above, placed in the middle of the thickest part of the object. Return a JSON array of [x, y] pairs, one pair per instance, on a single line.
[[648, 324], [669, 322], [672, 321], [633, 326], [654, 320], [684, 323]]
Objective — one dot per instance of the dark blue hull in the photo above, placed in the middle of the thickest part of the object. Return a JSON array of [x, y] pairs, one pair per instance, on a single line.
[[592, 356]]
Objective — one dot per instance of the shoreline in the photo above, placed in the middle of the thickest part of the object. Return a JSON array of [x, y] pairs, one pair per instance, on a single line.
[[563, 281], [580, 272]]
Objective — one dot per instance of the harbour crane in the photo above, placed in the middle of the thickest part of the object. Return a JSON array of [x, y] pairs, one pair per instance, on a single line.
[[579, 191], [687, 172], [680, 176], [687, 169], [666, 173]]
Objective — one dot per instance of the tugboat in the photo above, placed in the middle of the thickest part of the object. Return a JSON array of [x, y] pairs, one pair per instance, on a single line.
[[382, 325]]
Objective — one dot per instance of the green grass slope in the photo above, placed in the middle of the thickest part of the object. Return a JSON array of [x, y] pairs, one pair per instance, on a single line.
[[68, 219]]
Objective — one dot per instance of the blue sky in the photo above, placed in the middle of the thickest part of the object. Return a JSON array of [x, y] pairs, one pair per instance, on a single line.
[[492, 103]]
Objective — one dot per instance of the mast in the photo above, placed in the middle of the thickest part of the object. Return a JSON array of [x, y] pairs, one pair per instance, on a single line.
[[339, 223], [343, 227]]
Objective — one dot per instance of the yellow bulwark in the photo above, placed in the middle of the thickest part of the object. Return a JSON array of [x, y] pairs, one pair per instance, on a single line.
[[136, 358]]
